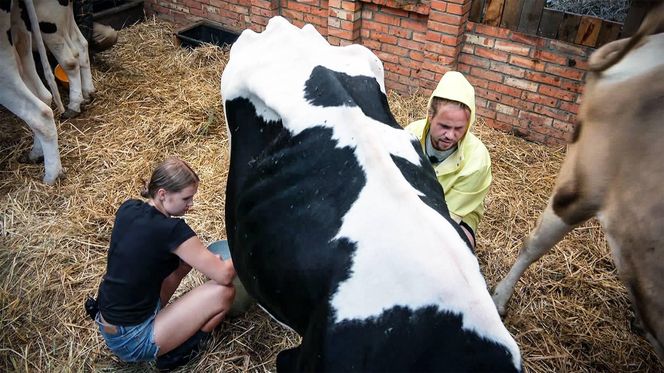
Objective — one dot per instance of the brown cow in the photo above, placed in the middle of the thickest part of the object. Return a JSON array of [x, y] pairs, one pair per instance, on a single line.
[[614, 170]]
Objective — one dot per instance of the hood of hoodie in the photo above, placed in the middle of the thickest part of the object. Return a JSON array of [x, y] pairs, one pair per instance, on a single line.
[[453, 86]]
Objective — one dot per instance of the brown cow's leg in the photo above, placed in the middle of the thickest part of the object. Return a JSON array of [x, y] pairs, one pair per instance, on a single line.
[[549, 230]]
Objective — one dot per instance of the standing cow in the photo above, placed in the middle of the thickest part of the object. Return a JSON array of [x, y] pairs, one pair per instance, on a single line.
[[21, 90], [614, 170], [336, 222]]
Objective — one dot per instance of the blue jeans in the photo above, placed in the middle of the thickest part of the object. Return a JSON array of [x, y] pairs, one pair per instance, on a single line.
[[131, 343]]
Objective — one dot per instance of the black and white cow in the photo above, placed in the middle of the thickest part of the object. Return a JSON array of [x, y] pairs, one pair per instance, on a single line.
[[21, 90], [336, 223], [64, 39]]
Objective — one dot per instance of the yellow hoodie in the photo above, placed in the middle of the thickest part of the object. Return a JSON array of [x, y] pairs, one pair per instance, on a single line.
[[465, 174]]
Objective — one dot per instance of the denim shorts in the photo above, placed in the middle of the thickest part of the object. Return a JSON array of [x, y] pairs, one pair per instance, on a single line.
[[131, 343]]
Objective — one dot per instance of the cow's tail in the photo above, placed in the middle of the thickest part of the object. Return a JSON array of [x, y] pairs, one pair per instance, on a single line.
[[612, 53], [48, 73]]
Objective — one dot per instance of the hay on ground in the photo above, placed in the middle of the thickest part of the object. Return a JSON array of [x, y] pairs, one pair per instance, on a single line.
[[154, 99]]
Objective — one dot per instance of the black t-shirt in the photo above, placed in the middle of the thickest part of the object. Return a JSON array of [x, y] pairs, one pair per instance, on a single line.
[[140, 257]]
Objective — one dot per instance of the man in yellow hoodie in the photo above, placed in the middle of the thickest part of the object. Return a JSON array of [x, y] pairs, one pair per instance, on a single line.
[[462, 163]]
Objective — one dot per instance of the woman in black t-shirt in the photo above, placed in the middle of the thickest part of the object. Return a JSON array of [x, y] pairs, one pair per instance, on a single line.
[[151, 251]]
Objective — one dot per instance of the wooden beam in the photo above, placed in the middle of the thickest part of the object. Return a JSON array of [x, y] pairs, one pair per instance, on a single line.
[[494, 11], [569, 27], [530, 16], [511, 14], [550, 23], [609, 32], [476, 11], [588, 31]]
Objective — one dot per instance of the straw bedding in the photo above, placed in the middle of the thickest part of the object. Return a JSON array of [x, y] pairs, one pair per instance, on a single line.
[[569, 312]]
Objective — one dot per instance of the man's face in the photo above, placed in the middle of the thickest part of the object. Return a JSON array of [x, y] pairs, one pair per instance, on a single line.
[[447, 127]]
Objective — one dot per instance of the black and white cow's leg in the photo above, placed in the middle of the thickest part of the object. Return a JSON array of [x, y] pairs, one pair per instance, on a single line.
[[22, 39], [61, 47], [39, 118], [79, 43], [550, 230]]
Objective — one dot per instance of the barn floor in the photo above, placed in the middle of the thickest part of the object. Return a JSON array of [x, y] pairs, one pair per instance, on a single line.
[[569, 313]]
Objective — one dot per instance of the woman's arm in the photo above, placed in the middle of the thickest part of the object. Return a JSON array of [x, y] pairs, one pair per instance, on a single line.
[[194, 253]]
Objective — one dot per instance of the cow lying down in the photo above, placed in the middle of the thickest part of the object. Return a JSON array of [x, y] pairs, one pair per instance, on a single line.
[[614, 170], [336, 223]]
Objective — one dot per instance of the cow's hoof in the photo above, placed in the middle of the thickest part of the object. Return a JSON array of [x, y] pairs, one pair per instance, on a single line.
[[50, 179], [500, 305], [69, 113]]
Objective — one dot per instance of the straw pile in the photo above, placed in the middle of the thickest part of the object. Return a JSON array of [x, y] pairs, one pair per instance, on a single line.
[[569, 314]]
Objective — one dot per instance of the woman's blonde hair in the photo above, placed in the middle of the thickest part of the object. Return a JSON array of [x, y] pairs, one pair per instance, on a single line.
[[173, 175]]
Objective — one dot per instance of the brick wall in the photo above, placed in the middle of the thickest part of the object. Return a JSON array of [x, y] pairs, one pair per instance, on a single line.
[[525, 85]]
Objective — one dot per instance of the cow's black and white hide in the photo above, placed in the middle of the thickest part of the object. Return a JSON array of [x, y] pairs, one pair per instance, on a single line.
[[21, 90], [66, 42], [336, 223]]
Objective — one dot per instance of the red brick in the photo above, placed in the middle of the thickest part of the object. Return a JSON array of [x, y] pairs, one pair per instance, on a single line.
[[491, 54], [517, 102], [504, 89], [567, 48], [526, 62], [468, 49], [539, 99], [567, 127], [479, 40], [440, 6], [536, 119], [487, 74], [413, 25], [508, 69], [375, 26], [485, 113], [387, 57], [521, 83], [334, 3], [528, 39], [510, 47], [548, 131], [384, 38], [445, 18], [492, 31], [412, 45], [416, 55], [393, 49], [570, 107], [457, 9], [557, 93], [464, 69], [371, 44], [564, 71], [507, 110], [349, 5], [450, 40], [543, 78], [553, 113], [481, 91], [506, 118], [474, 61], [435, 67], [444, 28], [550, 57], [400, 32], [418, 36], [401, 70], [387, 19]]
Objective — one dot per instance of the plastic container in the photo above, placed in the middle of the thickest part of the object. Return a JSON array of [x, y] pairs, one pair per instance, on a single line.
[[201, 32]]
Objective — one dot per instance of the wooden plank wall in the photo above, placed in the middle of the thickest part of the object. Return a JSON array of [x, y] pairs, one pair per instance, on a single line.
[[531, 17]]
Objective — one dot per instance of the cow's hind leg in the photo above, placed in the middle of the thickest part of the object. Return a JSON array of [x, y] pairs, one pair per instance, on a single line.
[[79, 43], [549, 230]]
